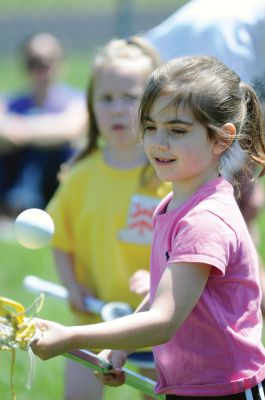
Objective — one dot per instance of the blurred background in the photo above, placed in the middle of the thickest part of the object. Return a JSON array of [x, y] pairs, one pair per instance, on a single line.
[[81, 25]]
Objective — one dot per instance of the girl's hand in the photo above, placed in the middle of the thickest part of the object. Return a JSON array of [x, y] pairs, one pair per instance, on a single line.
[[77, 293], [53, 339], [140, 282], [116, 376]]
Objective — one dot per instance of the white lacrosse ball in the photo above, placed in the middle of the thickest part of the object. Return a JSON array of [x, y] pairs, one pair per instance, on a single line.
[[34, 228]]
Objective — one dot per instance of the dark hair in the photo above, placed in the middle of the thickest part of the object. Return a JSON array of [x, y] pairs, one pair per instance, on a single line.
[[215, 96], [41, 50]]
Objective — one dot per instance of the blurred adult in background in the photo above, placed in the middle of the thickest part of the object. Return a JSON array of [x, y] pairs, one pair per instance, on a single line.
[[38, 127], [234, 32]]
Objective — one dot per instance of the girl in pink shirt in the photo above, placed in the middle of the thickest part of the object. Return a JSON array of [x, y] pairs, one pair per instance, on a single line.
[[199, 124]]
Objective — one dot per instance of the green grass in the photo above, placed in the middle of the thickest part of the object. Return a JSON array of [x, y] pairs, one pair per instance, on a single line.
[[75, 72], [92, 5], [16, 262]]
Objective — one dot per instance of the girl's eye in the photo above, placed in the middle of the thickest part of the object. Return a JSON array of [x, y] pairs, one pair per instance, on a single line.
[[129, 97], [149, 128], [107, 98], [177, 131]]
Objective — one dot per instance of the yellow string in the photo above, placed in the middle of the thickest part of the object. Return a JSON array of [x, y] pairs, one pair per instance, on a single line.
[[12, 374]]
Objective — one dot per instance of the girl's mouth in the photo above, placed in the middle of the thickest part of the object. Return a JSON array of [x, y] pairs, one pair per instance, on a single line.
[[163, 161], [118, 127]]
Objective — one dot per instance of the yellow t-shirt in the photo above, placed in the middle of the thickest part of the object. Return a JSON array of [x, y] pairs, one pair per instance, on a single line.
[[102, 217]]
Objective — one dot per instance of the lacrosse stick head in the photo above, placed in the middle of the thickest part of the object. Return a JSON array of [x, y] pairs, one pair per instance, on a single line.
[[115, 309], [17, 328]]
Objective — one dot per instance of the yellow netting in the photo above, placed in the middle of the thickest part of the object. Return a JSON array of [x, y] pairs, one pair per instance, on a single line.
[[18, 330]]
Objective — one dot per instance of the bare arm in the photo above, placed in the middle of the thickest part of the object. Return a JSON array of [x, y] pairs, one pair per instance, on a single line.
[[178, 292], [65, 267], [46, 129], [144, 305]]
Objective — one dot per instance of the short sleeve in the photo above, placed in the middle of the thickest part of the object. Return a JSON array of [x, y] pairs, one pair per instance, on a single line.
[[205, 238], [58, 208]]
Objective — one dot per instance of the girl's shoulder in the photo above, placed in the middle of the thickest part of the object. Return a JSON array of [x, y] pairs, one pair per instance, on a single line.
[[85, 164], [81, 172]]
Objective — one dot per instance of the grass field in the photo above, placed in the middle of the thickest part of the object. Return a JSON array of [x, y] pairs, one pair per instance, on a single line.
[[104, 5], [75, 72]]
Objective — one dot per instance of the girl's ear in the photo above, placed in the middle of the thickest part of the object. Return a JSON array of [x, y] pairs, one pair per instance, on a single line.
[[229, 135]]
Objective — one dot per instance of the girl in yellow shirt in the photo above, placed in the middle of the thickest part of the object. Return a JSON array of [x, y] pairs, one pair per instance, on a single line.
[[103, 207]]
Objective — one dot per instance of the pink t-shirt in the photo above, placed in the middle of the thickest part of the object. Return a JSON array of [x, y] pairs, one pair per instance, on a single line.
[[218, 349]]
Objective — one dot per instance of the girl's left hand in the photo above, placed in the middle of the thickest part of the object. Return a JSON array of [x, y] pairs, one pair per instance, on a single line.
[[117, 359], [53, 339]]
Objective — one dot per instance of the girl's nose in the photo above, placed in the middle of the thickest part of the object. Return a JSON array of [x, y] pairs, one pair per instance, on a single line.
[[118, 106], [162, 141]]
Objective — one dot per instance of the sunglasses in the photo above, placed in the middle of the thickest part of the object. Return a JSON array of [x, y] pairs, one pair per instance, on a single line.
[[34, 63]]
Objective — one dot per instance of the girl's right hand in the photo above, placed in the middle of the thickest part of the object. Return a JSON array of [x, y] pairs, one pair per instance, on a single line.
[[52, 340], [140, 282], [117, 359]]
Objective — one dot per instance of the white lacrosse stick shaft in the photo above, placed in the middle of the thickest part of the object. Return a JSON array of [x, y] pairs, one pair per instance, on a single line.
[[92, 304]]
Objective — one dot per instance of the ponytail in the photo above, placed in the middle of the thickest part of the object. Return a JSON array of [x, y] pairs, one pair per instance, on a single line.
[[251, 135]]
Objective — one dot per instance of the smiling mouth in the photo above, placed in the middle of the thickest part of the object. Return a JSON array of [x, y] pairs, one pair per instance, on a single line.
[[162, 160]]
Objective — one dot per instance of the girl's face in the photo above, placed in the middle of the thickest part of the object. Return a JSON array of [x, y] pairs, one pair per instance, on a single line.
[[118, 88], [177, 145]]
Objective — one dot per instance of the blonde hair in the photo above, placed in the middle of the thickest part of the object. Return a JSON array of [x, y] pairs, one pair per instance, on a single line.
[[134, 49]]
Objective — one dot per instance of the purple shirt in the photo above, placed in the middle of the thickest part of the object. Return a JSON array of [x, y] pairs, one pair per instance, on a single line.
[[58, 98], [218, 349]]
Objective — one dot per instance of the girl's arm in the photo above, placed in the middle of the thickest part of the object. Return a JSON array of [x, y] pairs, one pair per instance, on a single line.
[[65, 268], [117, 358], [178, 292], [48, 129], [144, 305]]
